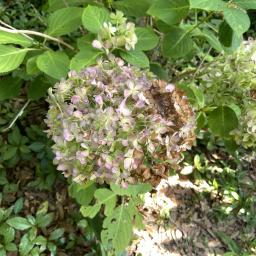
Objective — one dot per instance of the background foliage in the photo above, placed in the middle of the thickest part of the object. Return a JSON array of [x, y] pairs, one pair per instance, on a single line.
[[178, 40]]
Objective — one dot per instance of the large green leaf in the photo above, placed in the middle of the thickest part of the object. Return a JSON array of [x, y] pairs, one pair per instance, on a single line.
[[169, 11], [136, 58], [212, 5], [228, 38], [147, 39], [83, 193], [246, 4], [11, 38], [133, 8], [177, 43], [222, 121], [106, 197], [64, 21], [117, 229], [38, 88], [54, 64], [94, 17], [237, 19], [18, 223], [86, 57], [11, 57], [225, 34], [9, 87], [212, 40], [90, 211]]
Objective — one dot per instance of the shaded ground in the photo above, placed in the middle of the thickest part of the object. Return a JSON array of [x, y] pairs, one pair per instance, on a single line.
[[183, 218]]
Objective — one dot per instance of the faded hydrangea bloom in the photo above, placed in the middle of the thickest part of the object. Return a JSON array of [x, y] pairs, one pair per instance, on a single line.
[[245, 134], [231, 81], [116, 34], [116, 123]]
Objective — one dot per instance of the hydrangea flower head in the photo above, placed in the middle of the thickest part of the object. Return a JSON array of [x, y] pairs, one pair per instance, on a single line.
[[116, 33], [116, 123]]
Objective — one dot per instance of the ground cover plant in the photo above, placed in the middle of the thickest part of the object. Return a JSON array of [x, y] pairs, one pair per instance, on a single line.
[[127, 127]]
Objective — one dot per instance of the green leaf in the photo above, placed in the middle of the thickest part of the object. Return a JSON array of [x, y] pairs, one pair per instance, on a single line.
[[237, 19], [225, 34], [10, 153], [90, 211], [132, 190], [213, 5], [138, 221], [229, 39], [3, 181], [246, 4], [177, 43], [54, 64], [147, 39], [11, 247], [15, 137], [38, 88], [9, 87], [136, 58], [11, 57], [107, 197], [56, 234], [222, 121], [198, 96], [212, 40], [140, 188], [117, 229], [43, 221], [58, 4], [37, 146], [43, 208], [84, 58], [158, 70], [25, 245], [19, 223], [169, 11], [7, 232], [85, 41], [2, 252], [94, 17], [82, 193], [40, 240], [64, 21], [18, 205], [11, 38], [229, 242], [119, 190], [133, 8], [31, 66]]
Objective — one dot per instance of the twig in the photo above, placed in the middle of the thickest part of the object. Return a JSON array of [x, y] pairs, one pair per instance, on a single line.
[[35, 33], [201, 63], [10, 27], [16, 117]]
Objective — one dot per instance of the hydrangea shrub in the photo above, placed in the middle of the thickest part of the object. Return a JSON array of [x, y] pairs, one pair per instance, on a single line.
[[116, 123], [231, 81]]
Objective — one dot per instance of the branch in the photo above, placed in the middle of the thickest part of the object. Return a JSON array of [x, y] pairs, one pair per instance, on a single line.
[[35, 33]]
